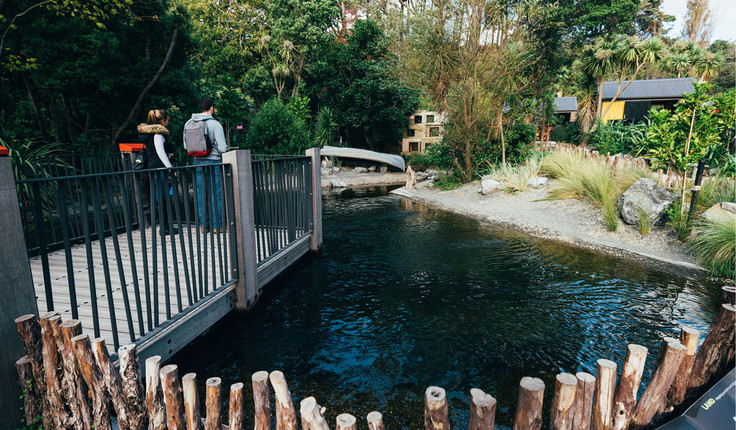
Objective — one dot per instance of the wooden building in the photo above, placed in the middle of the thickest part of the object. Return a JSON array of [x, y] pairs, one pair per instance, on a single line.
[[637, 98]]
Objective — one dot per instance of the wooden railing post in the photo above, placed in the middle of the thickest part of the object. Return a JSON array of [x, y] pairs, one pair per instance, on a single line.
[[16, 289], [316, 240], [247, 269]]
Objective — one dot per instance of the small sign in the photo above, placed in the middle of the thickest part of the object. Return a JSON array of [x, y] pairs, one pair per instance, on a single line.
[[130, 147]]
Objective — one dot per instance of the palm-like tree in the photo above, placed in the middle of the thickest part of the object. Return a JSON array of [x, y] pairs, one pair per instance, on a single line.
[[678, 63], [599, 60], [709, 65]]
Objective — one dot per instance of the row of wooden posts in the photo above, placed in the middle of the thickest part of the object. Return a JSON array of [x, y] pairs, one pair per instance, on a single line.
[[669, 179], [72, 383]]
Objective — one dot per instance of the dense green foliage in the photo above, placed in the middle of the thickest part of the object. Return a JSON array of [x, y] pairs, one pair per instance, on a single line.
[[714, 244], [277, 130], [616, 138]]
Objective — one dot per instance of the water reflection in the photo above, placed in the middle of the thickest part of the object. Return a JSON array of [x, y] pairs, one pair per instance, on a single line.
[[405, 296]]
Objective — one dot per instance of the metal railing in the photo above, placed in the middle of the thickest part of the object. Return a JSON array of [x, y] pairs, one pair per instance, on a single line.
[[282, 202], [157, 242]]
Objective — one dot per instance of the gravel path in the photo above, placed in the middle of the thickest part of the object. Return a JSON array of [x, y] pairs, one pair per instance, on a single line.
[[574, 222]]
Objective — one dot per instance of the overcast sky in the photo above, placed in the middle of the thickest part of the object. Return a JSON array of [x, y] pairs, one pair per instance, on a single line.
[[724, 13]]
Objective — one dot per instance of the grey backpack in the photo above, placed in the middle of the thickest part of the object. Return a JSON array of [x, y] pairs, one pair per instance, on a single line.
[[197, 142]]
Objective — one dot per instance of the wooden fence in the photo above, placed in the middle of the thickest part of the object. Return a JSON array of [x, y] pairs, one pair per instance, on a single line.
[[70, 382]]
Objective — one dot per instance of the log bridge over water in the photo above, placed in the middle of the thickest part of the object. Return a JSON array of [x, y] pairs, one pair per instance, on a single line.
[[133, 259], [73, 383]]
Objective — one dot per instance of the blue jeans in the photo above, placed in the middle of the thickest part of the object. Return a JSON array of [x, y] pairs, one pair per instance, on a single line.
[[213, 215]]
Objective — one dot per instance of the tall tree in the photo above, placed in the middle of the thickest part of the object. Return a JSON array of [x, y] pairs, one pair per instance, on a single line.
[[698, 22]]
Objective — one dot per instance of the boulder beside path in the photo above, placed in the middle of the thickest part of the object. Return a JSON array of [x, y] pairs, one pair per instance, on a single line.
[[645, 197]]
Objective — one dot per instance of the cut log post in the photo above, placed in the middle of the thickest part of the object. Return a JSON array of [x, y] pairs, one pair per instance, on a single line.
[[285, 413], [212, 404], [154, 394], [529, 406], [435, 409], [111, 379], [628, 385], [562, 411], [605, 384], [29, 331], [655, 395], [135, 395], [663, 349], [92, 376], [235, 420], [191, 401], [728, 294], [482, 410], [688, 337], [346, 422], [53, 370], [584, 394], [77, 389], [173, 400], [375, 421], [313, 415], [31, 398], [262, 401], [717, 349]]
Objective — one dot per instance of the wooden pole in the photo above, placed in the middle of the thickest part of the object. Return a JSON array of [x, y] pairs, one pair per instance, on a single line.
[[435, 409], [728, 294], [628, 385], [562, 411], [29, 331], [655, 395], [154, 394], [663, 350], [688, 337], [605, 384], [375, 420], [92, 376], [346, 422], [529, 406], [31, 397], [235, 420], [77, 389], [135, 395], [212, 403], [584, 394], [53, 370], [262, 401], [313, 415], [717, 350], [482, 410], [191, 401], [285, 413], [171, 387], [111, 378]]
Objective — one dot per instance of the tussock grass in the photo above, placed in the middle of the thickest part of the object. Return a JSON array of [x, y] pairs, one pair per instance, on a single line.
[[590, 179], [713, 243], [716, 190], [516, 177]]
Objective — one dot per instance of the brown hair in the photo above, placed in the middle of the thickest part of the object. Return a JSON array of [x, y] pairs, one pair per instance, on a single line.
[[157, 116]]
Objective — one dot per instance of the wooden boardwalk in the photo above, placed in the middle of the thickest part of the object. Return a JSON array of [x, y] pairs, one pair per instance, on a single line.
[[190, 270]]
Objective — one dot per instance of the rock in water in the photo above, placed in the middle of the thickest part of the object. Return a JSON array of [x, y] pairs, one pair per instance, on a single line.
[[645, 197], [336, 183]]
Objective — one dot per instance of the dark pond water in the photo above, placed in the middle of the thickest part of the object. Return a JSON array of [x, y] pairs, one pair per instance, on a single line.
[[405, 296]]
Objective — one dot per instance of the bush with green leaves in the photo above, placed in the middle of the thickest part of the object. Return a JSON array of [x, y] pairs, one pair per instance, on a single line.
[[617, 138], [713, 243], [276, 130], [325, 128], [559, 134]]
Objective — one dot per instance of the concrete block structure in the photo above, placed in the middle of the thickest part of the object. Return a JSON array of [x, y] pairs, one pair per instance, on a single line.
[[425, 129]]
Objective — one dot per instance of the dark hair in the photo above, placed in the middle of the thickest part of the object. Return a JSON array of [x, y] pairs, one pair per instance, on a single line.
[[205, 104]]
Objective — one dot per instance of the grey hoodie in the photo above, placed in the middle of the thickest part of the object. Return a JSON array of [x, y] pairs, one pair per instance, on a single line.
[[215, 133]]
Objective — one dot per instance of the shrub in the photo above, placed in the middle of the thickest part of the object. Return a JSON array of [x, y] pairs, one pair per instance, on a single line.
[[417, 159], [716, 190], [276, 130], [440, 155], [448, 181], [714, 244], [559, 134], [325, 128], [617, 138], [515, 176]]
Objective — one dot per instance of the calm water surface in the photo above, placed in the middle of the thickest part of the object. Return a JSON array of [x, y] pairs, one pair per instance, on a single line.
[[405, 296]]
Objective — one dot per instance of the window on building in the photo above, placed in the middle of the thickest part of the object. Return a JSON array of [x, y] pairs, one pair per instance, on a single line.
[[434, 131], [430, 118], [417, 119], [413, 146], [410, 132], [427, 145]]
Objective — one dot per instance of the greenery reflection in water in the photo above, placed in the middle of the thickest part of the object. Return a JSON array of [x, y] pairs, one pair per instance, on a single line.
[[405, 296]]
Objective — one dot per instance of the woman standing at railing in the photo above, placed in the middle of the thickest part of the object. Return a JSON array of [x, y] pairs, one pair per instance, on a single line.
[[153, 135]]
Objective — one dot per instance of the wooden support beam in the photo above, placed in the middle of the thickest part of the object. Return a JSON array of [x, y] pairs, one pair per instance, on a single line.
[[212, 403], [529, 406], [562, 410], [482, 410], [584, 394], [605, 384], [435, 409], [628, 386], [262, 401]]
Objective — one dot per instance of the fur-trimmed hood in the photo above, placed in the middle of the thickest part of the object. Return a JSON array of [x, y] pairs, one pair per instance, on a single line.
[[152, 129]]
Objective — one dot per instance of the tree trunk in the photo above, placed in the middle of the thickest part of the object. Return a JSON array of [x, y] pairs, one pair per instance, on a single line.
[[482, 410], [261, 399], [36, 110], [435, 409]]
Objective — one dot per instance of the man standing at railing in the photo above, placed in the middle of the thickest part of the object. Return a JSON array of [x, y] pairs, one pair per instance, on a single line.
[[204, 139]]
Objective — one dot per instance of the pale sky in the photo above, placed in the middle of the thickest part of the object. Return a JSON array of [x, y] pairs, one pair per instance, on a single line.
[[723, 11]]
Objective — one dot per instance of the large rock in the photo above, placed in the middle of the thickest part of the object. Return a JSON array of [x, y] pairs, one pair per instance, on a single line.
[[537, 182], [360, 170], [723, 208], [647, 197], [489, 185], [336, 183], [326, 171]]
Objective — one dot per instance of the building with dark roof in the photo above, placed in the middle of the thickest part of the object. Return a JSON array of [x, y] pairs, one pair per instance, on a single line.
[[637, 98], [566, 108]]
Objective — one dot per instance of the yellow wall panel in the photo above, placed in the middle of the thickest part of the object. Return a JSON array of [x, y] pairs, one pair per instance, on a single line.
[[616, 111]]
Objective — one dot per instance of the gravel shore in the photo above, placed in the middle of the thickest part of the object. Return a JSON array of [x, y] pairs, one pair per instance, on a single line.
[[574, 222]]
